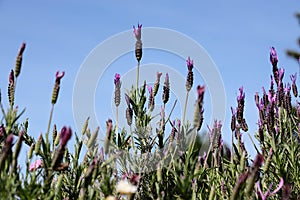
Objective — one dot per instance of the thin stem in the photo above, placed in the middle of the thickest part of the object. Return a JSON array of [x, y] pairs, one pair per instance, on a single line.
[[117, 120], [185, 106], [132, 140], [49, 124], [137, 80], [231, 159]]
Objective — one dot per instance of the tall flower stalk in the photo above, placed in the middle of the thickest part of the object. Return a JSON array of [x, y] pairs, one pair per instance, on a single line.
[[55, 92], [189, 83], [138, 53], [118, 83]]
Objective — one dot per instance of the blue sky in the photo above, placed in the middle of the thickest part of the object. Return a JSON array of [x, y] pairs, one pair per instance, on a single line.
[[60, 35]]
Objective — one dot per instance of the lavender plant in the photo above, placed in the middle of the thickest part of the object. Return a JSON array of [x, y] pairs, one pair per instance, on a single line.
[[162, 161]]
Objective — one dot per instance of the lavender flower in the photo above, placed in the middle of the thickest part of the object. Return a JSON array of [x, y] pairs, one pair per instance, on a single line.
[[294, 86], [65, 135], [138, 44], [35, 165], [273, 56], [137, 31], [157, 82], [233, 119], [274, 61], [151, 98], [19, 59], [241, 102], [56, 88], [117, 82], [11, 88], [190, 75], [268, 193], [166, 90]]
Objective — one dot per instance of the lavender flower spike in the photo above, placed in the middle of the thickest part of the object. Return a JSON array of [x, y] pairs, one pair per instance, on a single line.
[[294, 86], [117, 78], [273, 56]]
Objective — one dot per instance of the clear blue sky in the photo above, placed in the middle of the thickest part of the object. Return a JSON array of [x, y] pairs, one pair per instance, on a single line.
[[60, 34]]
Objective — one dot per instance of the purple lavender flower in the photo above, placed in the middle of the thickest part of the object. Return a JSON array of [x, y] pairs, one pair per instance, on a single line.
[[294, 86], [242, 94], [273, 56], [281, 73], [137, 31], [150, 90], [65, 135], [11, 77], [293, 78], [190, 63], [35, 165], [59, 76], [117, 78], [268, 193]]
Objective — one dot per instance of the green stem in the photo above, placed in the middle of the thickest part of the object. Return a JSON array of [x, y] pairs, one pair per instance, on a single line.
[[117, 120], [132, 140], [185, 106], [137, 80], [49, 124]]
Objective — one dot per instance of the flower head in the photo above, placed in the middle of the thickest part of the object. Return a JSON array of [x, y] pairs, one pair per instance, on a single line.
[[22, 48], [137, 31], [158, 75], [293, 78], [117, 78], [273, 56], [190, 63], [200, 90], [65, 135], [127, 99], [242, 94], [125, 187], [150, 90], [59, 76], [11, 77], [35, 165], [268, 193]]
